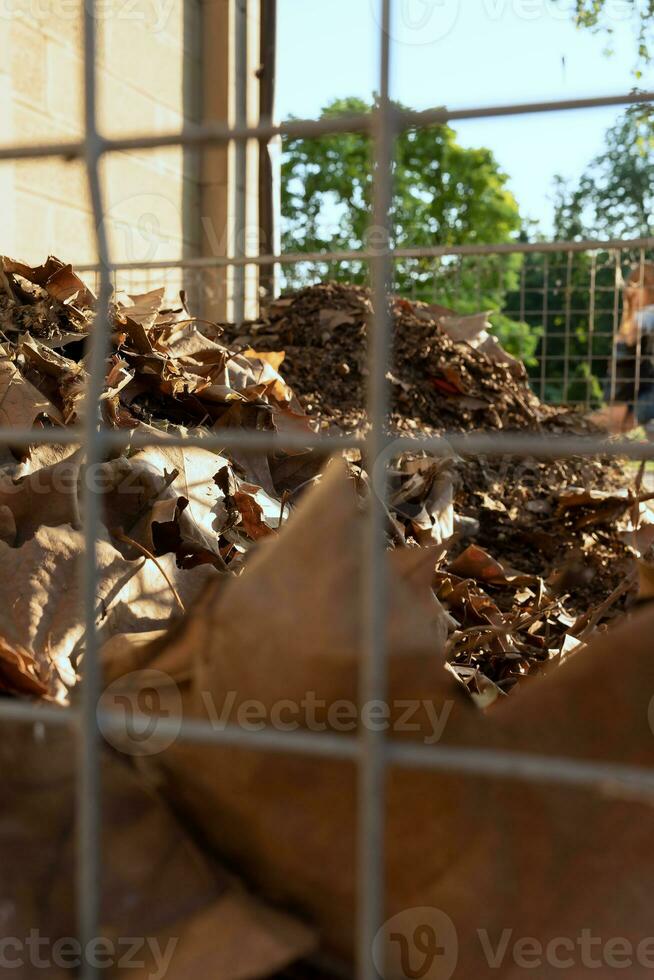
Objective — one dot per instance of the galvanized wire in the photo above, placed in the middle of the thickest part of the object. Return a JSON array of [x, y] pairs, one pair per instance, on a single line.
[[89, 874], [372, 684], [371, 750], [367, 255], [216, 132], [607, 778]]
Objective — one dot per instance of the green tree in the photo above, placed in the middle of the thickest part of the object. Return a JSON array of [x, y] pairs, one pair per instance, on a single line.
[[615, 195], [444, 193]]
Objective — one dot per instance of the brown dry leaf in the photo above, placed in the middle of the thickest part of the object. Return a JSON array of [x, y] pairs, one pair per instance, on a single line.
[[274, 358], [481, 689], [641, 539], [40, 457], [118, 377], [65, 286], [252, 516], [645, 580], [199, 920], [597, 506], [46, 360], [195, 468], [45, 497], [19, 672], [7, 525], [521, 863], [20, 402], [139, 314], [168, 537], [477, 564], [289, 418], [56, 278], [43, 613], [332, 319], [425, 503], [267, 364], [292, 472]]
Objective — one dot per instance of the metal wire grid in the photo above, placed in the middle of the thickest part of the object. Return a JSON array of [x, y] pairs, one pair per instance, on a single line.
[[563, 297], [568, 302], [371, 750]]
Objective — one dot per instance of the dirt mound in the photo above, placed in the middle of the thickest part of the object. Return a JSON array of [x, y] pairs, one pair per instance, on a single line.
[[447, 372], [531, 561]]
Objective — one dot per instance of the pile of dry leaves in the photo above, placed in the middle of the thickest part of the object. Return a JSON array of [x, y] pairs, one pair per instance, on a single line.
[[497, 567], [538, 554], [173, 518], [529, 558]]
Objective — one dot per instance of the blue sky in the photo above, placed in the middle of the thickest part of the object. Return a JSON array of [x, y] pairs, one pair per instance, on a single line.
[[469, 52]]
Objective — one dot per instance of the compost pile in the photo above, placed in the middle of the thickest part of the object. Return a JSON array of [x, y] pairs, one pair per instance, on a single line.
[[539, 554], [438, 379], [529, 558], [173, 518]]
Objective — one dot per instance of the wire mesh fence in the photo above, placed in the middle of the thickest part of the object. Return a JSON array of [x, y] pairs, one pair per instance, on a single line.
[[559, 312], [576, 303]]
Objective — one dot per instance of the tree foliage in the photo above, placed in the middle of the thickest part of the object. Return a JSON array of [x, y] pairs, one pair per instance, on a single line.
[[601, 15], [615, 195], [444, 194], [447, 194], [442, 191]]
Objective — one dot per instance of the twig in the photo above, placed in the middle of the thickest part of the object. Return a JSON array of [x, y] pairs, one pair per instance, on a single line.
[[499, 629], [285, 498], [148, 554], [596, 614]]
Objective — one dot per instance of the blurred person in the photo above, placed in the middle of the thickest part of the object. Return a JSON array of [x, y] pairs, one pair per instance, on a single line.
[[632, 401]]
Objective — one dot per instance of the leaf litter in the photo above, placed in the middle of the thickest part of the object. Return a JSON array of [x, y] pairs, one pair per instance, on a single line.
[[502, 567], [562, 530], [529, 553], [170, 520]]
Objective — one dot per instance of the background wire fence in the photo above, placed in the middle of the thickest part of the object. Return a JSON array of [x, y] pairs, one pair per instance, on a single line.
[[371, 750], [558, 311]]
